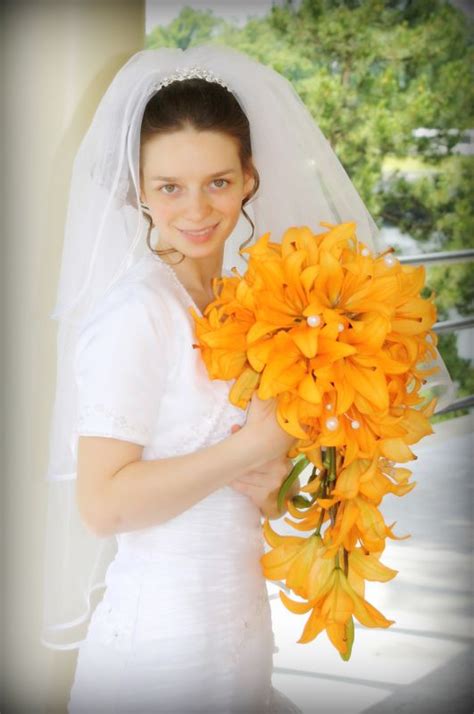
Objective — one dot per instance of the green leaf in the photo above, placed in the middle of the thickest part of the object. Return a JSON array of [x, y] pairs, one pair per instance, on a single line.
[[301, 501], [299, 466]]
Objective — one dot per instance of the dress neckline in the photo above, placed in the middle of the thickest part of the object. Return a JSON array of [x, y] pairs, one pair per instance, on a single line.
[[177, 281], [156, 259]]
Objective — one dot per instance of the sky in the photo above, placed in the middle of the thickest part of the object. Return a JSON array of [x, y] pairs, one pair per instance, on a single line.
[[162, 12]]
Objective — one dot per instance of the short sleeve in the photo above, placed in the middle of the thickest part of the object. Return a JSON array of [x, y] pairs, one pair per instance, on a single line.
[[120, 369]]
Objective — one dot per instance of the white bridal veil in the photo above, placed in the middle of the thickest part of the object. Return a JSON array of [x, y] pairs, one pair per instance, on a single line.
[[302, 183]]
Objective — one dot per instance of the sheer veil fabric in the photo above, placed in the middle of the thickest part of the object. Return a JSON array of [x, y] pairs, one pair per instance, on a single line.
[[302, 183]]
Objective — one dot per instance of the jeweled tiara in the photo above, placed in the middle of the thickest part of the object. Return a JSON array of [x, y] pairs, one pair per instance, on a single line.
[[190, 73]]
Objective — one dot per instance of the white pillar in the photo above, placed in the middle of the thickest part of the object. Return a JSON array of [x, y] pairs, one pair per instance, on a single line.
[[59, 57]]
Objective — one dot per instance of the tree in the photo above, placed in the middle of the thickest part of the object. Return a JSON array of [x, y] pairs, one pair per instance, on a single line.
[[372, 73], [190, 28]]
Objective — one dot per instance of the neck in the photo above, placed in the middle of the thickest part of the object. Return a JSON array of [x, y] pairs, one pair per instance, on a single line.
[[196, 274]]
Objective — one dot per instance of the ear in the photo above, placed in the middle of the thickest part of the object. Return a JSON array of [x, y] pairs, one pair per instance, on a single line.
[[140, 188], [249, 183]]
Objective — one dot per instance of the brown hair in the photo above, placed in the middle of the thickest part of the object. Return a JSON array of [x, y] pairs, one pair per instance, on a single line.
[[205, 106]]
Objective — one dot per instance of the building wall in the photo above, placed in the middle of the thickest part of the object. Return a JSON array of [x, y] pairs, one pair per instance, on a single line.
[[59, 57]]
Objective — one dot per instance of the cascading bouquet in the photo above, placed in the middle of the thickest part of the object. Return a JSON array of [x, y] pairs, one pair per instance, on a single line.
[[337, 335]]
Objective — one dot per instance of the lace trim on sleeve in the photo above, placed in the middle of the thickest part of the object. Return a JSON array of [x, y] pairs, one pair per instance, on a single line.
[[101, 420]]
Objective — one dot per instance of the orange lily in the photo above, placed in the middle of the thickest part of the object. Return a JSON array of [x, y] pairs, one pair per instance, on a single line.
[[342, 339]]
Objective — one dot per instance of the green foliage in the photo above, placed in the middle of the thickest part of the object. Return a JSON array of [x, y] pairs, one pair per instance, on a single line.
[[453, 286], [371, 72], [460, 370], [438, 208], [190, 28], [456, 364]]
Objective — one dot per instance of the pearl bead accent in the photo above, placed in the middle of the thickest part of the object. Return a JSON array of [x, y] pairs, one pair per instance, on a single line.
[[355, 424], [365, 251], [390, 260], [332, 423], [329, 407], [313, 320], [340, 327]]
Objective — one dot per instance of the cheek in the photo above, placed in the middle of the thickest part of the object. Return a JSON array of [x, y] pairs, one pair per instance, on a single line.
[[229, 205], [163, 212]]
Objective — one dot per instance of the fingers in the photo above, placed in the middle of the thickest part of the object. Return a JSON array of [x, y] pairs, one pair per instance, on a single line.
[[254, 479], [267, 477], [281, 466], [250, 489]]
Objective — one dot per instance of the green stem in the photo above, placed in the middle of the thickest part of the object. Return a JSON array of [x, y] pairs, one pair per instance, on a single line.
[[332, 463], [331, 480], [327, 457], [321, 518]]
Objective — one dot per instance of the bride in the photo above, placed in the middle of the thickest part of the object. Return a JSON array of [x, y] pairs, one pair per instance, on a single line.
[[158, 484], [186, 607]]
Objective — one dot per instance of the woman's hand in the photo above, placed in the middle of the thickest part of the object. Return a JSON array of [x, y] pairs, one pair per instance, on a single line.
[[262, 485], [267, 441]]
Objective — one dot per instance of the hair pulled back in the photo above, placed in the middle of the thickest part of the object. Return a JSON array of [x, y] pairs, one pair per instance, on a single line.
[[204, 106]]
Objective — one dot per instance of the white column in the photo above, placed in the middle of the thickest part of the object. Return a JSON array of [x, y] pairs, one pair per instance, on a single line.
[[59, 57]]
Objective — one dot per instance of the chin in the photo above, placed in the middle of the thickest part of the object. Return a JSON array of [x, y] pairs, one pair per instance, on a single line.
[[202, 251]]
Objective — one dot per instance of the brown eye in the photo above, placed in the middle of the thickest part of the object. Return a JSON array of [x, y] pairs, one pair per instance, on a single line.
[[224, 180], [168, 185]]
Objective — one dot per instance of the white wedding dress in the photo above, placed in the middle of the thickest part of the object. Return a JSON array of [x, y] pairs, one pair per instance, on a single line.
[[185, 622]]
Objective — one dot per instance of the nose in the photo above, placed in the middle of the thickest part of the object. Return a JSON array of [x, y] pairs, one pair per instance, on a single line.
[[198, 206]]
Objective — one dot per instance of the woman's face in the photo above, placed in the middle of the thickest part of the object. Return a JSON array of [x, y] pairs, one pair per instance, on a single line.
[[193, 180]]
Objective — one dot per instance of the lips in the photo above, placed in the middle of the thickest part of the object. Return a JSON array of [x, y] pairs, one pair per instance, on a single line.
[[201, 236], [197, 231]]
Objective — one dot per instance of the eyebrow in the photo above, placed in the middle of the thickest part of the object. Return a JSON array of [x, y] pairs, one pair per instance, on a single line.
[[176, 178]]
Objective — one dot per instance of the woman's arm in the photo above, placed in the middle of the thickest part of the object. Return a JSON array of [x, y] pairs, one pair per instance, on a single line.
[[118, 492]]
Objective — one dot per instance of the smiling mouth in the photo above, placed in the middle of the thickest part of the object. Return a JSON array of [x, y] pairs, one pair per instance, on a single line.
[[199, 231]]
